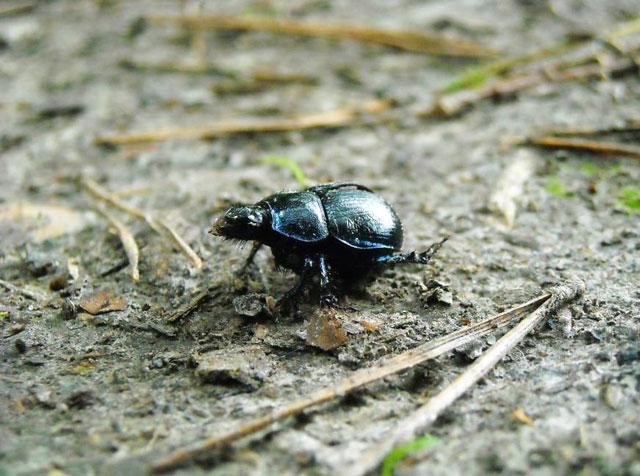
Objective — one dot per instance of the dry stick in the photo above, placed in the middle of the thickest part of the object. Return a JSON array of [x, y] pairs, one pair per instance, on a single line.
[[412, 41], [170, 67], [452, 104], [157, 224], [415, 424], [480, 74], [34, 295], [259, 81], [16, 8], [471, 78], [403, 361], [128, 242], [335, 118], [593, 146], [194, 303], [631, 126], [268, 76]]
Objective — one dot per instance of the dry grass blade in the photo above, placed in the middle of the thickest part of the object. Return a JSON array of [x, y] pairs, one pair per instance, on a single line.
[[33, 294], [158, 225], [128, 242], [631, 127], [180, 243], [592, 146], [406, 40], [268, 76], [261, 80], [415, 424], [478, 76], [335, 118], [16, 8], [172, 67], [403, 361], [100, 193], [193, 304], [458, 102]]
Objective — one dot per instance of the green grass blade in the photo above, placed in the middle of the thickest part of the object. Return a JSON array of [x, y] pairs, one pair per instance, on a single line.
[[289, 164], [401, 452], [630, 198]]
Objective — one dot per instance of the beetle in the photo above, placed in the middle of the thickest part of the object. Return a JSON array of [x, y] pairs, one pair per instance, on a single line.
[[339, 231]]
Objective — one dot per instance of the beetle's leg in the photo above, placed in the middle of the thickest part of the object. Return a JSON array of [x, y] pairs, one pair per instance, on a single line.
[[327, 298], [288, 300], [252, 254], [338, 185], [413, 257]]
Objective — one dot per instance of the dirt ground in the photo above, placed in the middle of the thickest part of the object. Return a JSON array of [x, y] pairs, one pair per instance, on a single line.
[[108, 393]]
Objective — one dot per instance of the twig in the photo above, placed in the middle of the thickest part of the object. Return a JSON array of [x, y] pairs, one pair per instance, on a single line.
[[593, 146], [34, 295], [630, 127], [194, 303], [157, 224], [261, 80], [455, 103], [268, 76], [16, 8], [407, 40], [403, 361], [335, 118], [100, 193], [128, 242], [182, 245], [171, 67], [147, 325], [476, 77], [415, 424]]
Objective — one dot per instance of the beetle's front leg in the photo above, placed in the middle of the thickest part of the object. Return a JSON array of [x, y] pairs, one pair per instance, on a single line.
[[252, 254]]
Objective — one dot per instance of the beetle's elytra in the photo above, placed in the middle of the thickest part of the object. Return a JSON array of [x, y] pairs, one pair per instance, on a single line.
[[335, 230]]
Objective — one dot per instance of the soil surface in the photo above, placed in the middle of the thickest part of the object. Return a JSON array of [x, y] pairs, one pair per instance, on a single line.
[[108, 393]]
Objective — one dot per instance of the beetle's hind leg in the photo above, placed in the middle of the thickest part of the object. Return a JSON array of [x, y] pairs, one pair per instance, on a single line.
[[327, 297], [413, 257]]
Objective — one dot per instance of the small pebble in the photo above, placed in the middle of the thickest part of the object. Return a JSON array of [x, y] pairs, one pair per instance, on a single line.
[[440, 296]]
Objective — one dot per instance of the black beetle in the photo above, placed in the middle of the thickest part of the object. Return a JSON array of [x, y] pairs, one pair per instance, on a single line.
[[336, 230]]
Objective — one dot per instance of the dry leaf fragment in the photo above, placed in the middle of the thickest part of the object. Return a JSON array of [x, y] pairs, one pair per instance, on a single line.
[[369, 326], [102, 302], [324, 330]]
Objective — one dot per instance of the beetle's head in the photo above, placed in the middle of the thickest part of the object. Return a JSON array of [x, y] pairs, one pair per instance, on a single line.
[[241, 222]]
